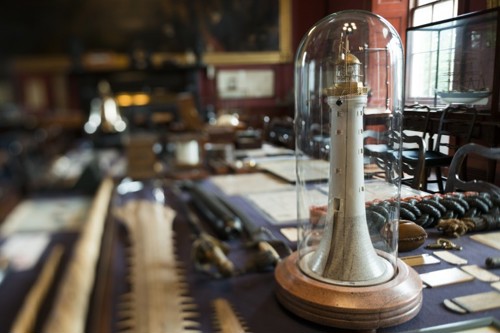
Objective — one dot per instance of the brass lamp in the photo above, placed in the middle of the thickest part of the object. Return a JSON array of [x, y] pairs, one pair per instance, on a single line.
[[105, 116], [345, 272]]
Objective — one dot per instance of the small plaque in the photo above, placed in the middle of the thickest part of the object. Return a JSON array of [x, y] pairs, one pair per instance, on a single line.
[[445, 277], [290, 233], [478, 302], [450, 257], [491, 239], [480, 273], [419, 260]]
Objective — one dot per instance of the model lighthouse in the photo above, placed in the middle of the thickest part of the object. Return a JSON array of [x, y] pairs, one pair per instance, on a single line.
[[355, 262], [342, 275]]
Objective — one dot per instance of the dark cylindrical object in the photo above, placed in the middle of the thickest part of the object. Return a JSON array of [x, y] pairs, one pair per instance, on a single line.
[[492, 262], [226, 224]]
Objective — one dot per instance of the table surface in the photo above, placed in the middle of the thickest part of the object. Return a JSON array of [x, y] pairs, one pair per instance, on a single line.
[[252, 295]]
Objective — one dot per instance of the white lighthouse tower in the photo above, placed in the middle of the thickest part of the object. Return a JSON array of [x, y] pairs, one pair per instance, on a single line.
[[345, 254]]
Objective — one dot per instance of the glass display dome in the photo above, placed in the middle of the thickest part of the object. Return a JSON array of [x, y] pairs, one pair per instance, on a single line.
[[348, 81]]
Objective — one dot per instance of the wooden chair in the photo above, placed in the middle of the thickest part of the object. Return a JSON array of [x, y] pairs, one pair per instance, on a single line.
[[455, 183], [375, 149], [418, 121], [413, 174], [386, 153], [457, 122]]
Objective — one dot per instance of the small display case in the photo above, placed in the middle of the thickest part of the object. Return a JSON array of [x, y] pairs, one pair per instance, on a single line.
[[454, 62]]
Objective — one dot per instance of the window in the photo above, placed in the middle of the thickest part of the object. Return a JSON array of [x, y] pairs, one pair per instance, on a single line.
[[428, 11], [422, 50]]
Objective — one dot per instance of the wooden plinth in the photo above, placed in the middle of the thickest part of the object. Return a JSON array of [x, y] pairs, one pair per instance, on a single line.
[[357, 308]]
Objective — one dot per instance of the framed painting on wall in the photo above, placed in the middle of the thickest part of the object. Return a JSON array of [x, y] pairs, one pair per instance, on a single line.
[[251, 32]]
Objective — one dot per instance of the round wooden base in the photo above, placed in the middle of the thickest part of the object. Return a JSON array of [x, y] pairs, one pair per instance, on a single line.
[[357, 308]]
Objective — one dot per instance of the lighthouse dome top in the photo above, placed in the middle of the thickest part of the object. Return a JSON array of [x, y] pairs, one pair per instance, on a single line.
[[351, 59]]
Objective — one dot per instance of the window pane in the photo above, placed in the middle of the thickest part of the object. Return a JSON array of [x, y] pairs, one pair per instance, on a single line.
[[423, 61], [423, 53], [446, 60], [422, 16], [443, 10]]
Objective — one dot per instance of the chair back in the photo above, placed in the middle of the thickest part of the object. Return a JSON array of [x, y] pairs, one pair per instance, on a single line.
[[458, 123], [454, 183], [418, 121], [415, 171], [411, 174]]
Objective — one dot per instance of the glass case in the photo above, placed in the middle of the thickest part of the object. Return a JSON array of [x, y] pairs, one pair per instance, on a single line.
[[454, 62], [339, 76], [346, 264]]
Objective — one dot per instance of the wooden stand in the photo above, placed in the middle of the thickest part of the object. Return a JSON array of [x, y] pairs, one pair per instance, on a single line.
[[358, 308]]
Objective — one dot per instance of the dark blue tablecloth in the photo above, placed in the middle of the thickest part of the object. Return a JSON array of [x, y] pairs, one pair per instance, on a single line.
[[252, 295], [254, 298]]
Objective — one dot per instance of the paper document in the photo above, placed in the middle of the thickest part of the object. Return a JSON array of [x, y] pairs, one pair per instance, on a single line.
[[282, 206], [249, 183], [317, 169], [47, 214], [23, 250]]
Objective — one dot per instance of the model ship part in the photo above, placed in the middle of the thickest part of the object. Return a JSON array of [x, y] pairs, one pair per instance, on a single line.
[[70, 307], [465, 97], [158, 300], [465, 87], [226, 320], [25, 320]]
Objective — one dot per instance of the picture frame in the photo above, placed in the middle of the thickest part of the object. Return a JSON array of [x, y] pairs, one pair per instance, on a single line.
[[208, 32], [280, 53]]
